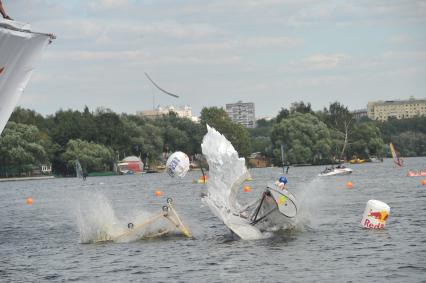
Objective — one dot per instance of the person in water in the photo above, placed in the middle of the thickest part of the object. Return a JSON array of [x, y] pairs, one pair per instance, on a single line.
[[3, 12], [85, 174]]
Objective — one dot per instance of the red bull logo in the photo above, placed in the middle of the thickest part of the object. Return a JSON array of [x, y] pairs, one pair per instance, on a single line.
[[379, 216]]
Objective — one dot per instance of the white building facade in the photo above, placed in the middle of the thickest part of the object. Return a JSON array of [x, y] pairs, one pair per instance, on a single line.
[[242, 113], [182, 112], [399, 109]]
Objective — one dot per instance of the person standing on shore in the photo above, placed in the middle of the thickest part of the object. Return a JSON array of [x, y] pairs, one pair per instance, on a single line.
[[3, 12]]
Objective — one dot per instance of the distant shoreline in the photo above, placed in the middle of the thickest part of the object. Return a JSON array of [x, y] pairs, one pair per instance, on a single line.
[[26, 178]]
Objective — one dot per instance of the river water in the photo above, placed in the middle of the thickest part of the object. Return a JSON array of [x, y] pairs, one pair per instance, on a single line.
[[42, 242]]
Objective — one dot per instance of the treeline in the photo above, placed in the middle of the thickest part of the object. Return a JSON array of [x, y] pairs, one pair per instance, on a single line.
[[333, 134], [98, 139]]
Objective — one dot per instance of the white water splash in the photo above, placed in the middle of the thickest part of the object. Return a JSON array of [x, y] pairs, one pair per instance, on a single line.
[[97, 221], [311, 197]]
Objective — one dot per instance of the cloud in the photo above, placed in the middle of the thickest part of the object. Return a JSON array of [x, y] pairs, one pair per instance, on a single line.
[[349, 13], [95, 55], [401, 39], [107, 4], [136, 57], [243, 43], [325, 61], [405, 55], [319, 62], [270, 41]]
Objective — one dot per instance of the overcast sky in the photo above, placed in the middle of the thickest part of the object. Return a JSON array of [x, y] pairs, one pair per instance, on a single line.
[[213, 52]]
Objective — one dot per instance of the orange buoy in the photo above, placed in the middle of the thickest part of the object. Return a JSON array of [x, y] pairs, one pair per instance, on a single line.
[[29, 201], [246, 189], [349, 185], [424, 182], [157, 193]]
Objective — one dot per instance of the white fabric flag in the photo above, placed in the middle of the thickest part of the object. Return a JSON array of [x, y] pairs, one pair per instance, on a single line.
[[20, 49]]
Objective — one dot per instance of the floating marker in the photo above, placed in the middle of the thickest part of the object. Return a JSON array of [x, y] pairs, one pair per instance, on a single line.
[[349, 185], [424, 182], [29, 201], [375, 215], [177, 164], [157, 193], [246, 189]]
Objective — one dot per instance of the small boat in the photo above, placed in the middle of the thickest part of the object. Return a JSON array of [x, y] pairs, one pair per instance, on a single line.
[[333, 171], [275, 209], [146, 230], [416, 174], [356, 161], [375, 159]]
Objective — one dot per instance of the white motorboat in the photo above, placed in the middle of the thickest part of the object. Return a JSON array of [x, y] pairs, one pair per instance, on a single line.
[[333, 171]]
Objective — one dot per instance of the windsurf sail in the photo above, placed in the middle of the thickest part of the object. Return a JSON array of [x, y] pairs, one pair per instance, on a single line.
[[395, 157], [78, 169], [20, 49]]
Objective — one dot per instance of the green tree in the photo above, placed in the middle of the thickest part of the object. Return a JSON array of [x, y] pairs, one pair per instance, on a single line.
[[411, 143], [20, 149], [93, 157], [366, 141], [306, 139], [153, 144], [180, 133], [28, 117], [261, 144], [283, 114], [299, 107], [338, 117], [65, 125]]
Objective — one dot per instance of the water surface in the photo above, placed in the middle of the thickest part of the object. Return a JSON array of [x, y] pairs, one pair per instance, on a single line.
[[41, 242]]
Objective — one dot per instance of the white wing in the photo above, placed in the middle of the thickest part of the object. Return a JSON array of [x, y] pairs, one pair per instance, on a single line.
[[226, 172], [20, 50]]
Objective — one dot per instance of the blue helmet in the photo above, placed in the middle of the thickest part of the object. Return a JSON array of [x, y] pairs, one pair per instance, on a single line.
[[283, 179]]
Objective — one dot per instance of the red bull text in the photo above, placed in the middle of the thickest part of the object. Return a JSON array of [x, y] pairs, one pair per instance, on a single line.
[[377, 219]]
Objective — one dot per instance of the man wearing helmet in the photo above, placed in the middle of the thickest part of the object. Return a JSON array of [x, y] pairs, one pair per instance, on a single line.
[[282, 181]]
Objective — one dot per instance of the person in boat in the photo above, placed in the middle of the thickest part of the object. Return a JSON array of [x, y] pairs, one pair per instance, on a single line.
[[282, 181], [3, 12]]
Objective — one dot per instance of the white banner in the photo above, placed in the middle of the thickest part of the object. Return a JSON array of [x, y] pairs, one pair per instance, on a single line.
[[20, 49]]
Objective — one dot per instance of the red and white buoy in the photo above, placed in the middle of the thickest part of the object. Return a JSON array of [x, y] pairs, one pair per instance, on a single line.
[[375, 215]]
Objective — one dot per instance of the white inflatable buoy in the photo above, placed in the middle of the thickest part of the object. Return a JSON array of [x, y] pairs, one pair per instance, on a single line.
[[177, 164], [375, 215]]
